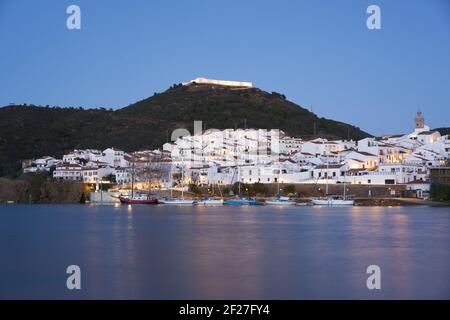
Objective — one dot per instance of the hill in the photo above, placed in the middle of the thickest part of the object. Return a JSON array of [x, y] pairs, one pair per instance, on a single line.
[[31, 131], [443, 131]]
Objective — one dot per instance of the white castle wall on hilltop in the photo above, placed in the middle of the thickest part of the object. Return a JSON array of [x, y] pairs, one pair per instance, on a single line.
[[228, 83]]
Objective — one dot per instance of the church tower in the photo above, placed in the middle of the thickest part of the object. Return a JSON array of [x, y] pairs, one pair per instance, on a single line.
[[419, 120]]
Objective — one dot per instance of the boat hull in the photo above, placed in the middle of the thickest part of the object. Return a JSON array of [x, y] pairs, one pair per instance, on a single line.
[[301, 204], [178, 202], [332, 202], [133, 201], [279, 203], [240, 202], [210, 202]]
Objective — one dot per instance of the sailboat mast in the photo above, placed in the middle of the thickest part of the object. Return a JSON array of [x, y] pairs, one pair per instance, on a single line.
[[324, 150], [220, 190], [239, 180], [148, 176], [171, 180], [278, 184], [237, 168], [132, 178], [182, 178], [171, 184], [326, 188], [345, 188]]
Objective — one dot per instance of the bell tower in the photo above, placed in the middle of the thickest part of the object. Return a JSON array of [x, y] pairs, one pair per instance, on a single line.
[[419, 120]]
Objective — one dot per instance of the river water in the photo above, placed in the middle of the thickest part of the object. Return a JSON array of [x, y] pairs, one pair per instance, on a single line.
[[162, 252]]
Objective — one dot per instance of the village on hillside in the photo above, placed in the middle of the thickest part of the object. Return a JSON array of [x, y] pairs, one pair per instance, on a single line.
[[224, 157]]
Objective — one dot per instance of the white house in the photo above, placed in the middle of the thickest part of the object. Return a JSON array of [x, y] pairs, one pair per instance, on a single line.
[[327, 172], [96, 174], [41, 165], [114, 157], [362, 160], [428, 137], [68, 171], [123, 175]]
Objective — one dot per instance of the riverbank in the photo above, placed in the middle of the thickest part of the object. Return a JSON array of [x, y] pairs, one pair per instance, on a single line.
[[42, 189], [396, 202]]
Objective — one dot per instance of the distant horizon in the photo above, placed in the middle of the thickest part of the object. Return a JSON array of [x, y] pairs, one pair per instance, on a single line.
[[320, 55]]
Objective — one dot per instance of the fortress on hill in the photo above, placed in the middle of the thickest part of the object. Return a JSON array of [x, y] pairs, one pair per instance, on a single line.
[[227, 83]]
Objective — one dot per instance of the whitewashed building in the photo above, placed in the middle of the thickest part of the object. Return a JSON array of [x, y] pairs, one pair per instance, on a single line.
[[44, 164], [68, 171]]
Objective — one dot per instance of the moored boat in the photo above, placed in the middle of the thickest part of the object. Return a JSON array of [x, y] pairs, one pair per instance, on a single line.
[[242, 202], [280, 201], [210, 202], [178, 201], [333, 201], [138, 199]]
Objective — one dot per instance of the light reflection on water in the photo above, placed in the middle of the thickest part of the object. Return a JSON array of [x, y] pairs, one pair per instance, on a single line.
[[157, 252]]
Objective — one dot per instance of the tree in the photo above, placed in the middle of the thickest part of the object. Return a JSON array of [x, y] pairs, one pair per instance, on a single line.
[[83, 198], [195, 189], [259, 188], [289, 189], [111, 178], [440, 192]]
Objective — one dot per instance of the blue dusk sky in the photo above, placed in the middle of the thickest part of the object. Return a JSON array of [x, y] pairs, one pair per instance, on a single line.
[[320, 54]]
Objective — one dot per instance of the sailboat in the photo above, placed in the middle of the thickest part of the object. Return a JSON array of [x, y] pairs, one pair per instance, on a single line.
[[136, 197], [279, 200], [212, 201], [334, 200], [178, 201], [242, 202], [239, 200]]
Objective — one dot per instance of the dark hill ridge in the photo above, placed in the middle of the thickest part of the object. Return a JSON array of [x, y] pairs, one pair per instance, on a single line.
[[443, 131], [29, 131]]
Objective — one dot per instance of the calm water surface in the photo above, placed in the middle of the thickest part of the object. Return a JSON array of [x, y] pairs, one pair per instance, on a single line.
[[157, 252]]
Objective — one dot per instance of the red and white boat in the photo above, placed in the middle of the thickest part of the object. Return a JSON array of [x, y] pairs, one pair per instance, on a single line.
[[138, 199]]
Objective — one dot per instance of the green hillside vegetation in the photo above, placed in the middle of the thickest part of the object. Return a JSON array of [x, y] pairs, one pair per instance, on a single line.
[[443, 131], [30, 131]]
